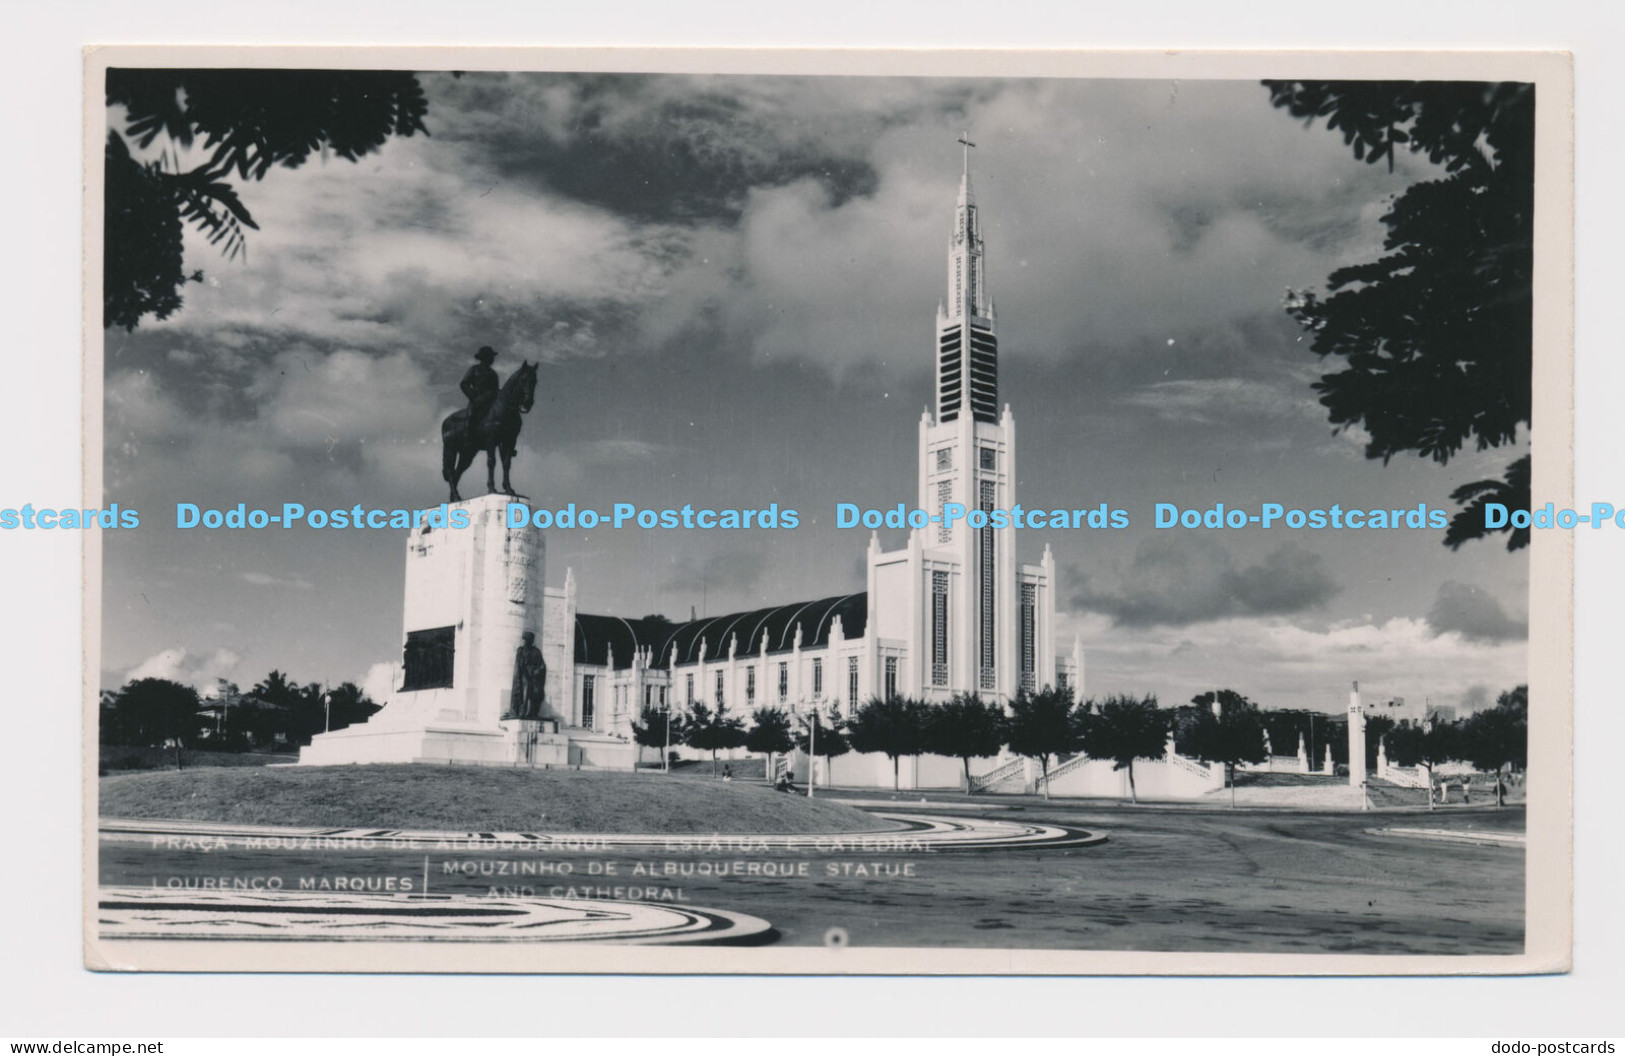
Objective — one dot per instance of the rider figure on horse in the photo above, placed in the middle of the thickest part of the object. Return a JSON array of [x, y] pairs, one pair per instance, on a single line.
[[490, 424], [480, 385]]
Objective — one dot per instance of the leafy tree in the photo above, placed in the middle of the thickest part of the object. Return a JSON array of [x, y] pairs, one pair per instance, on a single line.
[[965, 728], [277, 690], [157, 711], [713, 731], [247, 121], [1227, 729], [1042, 725], [1499, 737], [1435, 335], [1427, 744], [112, 726], [228, 734], [820, 734], [650, 729], [1377, 727], [895, 726], [256, 720], [304, 715], [769, 734], [348, 706], [278, 707], [1126, 729], [1286, 725]]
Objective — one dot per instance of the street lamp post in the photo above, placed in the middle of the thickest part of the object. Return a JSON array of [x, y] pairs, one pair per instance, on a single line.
[[327, 713], [665, 756]]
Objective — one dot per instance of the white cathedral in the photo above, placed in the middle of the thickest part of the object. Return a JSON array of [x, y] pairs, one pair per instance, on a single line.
[[953, 611]]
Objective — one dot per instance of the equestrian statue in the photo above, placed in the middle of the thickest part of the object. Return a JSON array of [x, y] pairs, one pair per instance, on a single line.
[[489, 423]]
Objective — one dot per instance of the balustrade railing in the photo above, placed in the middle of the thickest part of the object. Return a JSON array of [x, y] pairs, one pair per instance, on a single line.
[[983, 782]]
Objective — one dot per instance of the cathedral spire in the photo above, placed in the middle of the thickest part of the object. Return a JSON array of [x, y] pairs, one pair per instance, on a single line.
[[966, 195], [966, 296], [967, 360]]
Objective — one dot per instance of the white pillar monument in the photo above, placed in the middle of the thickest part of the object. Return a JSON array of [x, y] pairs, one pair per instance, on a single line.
[[1356, 739]]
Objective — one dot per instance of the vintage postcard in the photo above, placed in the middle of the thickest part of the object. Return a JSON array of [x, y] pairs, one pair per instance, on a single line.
[[774, 511]]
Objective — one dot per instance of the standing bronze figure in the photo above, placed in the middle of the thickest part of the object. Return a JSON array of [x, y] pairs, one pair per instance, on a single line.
[[529, 681], [489, 423]]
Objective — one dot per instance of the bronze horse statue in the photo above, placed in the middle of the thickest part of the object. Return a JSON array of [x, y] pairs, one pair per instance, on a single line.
[[496, 432]]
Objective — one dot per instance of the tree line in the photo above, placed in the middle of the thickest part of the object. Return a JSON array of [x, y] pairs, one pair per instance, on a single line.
[[1044, 725], [1049, 726], [158, 712]]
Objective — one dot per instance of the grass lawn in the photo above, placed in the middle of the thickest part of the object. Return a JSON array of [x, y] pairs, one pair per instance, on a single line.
[[472, 799], [115, 757]]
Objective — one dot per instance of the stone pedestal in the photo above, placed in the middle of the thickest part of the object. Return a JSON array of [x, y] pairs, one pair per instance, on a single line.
[[471, 593], [536, 742]]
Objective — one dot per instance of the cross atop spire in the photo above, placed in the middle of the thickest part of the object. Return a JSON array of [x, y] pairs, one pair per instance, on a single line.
[[966, 195]]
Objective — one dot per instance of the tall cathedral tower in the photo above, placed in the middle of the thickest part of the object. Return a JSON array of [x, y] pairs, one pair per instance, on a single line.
[[967, 348], [981, 624]]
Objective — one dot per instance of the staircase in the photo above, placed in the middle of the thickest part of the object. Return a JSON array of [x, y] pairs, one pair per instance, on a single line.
[[1059, 770], [1013, 771]]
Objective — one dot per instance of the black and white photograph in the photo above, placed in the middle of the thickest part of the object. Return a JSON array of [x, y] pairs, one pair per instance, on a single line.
[[814, 512]]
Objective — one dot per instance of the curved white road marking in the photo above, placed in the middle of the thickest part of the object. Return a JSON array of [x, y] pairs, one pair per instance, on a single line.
[[269, 916], [904, 832]]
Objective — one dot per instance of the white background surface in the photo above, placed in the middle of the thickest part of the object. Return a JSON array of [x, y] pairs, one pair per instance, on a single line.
[[45, 993]]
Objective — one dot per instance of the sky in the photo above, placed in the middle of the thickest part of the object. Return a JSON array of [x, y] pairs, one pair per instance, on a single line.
[[730, 284]]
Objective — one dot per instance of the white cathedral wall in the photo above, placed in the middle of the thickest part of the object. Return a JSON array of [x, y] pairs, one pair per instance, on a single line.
[[558, 652]]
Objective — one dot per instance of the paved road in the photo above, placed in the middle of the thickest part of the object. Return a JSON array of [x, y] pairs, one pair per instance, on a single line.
[[1165, 880]]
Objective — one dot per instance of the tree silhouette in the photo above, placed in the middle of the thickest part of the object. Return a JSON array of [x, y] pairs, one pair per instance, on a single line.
[[650, 729], [895, 726], [158, 712], [713, 731], [1426, 744], [770, 735], [1435, 335], [965, 728], [1499, 737], [1226, 729], [820, 734], [349, 705], [247, 121], [1126, 729], [1042, 725]]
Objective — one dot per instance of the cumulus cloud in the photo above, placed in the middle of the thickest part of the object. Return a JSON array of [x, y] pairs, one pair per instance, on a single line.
[[705, 265], [1176, 582], [378, 683], [309, 399], [1282, 665], [1473, 613], [179, 665], [671, 148]]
